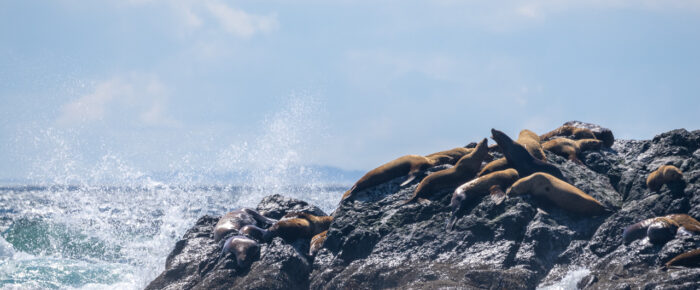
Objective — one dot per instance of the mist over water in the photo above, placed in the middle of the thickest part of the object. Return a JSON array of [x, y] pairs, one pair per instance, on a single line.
[[108, 224]]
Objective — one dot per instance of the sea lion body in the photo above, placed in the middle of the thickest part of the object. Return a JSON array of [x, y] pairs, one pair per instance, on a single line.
[[602, 134], [569, 132], [562, 194], [688, 223], [687, 259], [493, 166], [317, 243], [235, 220], [304, 226], [409, 165], [531, 142], [660, 230], [571, 148], [243, 248], [254, 232], [454, 154], [479, 187], [519, 158], [465, 169], [663, 175]]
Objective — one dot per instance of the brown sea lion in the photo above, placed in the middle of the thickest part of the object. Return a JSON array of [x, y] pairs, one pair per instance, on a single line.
[[305, 226], [529, 140], [317, 243], [245, 250], [477, 188], [455, 154], [571, 148], [660, 230], [519, 158], [569, 131], [493, 166], [465, 169], [686, 222], [560, 193], [602, 134], [235, 220], [409, 165], [663, 175], [687, 259]]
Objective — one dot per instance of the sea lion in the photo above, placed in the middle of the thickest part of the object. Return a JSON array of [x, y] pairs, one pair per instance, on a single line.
[[305, 226], [569, 131], [687, 259], [465, 169], [243, 248], [519, 158], [602, 134], [254, 232], [663, 175], [493, 166], [455, 153], [317, 243], [410, 165], [235, 220], [529, 140], [571, 148], [661, 229], [562, 194], [479, 187], [686, 223]]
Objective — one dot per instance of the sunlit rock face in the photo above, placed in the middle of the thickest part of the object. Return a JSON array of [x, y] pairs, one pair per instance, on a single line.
[[522, 243]]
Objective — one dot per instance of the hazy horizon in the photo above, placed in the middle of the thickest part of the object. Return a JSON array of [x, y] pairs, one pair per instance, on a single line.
[[128, 88]]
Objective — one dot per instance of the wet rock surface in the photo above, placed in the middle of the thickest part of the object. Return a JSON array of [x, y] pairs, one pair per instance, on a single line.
[[375, 242]]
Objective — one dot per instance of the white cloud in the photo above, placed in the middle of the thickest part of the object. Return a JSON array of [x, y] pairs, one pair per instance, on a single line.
[[239, 22], [199, 14], [143, 97]]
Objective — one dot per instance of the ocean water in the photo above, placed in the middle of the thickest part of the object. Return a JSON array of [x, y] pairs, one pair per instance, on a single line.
[[107, 224], [108, 237]]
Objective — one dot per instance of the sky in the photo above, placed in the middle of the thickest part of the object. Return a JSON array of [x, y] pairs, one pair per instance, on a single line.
[[156, 86]]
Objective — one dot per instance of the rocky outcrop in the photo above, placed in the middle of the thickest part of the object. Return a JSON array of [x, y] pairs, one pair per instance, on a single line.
[[375, 242]]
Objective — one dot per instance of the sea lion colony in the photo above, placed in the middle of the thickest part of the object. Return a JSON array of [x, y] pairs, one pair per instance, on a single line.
[[523, 170]]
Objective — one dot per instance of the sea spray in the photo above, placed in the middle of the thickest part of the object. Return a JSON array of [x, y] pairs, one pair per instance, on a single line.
[[108, 224], [569, 281]]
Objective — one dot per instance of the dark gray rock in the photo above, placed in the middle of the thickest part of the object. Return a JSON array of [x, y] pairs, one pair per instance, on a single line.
[[196, 261], [376, 242], [276, 206]]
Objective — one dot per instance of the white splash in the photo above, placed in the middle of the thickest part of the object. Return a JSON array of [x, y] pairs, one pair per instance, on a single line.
[[570, 280]]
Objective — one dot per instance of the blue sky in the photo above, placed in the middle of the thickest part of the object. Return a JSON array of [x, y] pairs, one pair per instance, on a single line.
[[175, 85]]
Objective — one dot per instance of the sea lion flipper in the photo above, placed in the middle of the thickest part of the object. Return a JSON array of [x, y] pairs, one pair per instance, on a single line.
[[451, 223], [497, 194], [410, 178]]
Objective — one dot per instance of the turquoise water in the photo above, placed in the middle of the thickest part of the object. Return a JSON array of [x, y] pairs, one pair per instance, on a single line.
[[110, 237]]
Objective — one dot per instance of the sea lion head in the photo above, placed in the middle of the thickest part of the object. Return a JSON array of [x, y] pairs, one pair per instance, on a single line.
[[510, 149], [606, 136], [244, 249], [635, 232], [672, 173]]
